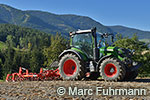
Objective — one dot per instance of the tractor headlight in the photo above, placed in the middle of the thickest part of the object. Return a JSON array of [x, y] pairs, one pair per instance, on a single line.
[[135, 63]]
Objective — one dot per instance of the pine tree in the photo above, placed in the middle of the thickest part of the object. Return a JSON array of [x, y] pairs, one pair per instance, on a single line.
[[58, 44]]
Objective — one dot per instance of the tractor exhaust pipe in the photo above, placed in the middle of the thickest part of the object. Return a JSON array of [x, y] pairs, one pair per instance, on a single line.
[[95, 49]]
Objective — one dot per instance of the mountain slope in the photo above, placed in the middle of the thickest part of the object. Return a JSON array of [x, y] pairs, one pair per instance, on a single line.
[[130, 31], [66, 23], [53, 23]]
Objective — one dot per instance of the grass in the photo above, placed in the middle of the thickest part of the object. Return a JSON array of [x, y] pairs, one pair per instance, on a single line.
[[1, 80]]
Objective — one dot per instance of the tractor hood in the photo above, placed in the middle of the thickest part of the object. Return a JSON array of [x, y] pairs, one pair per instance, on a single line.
[[107, 50], [117, 52]]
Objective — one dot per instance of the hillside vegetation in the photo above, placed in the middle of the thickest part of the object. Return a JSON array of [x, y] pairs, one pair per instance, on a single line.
[[53, 23], [141, 52]]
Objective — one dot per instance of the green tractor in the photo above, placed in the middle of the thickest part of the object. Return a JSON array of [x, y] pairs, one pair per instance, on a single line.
[[86, 55]]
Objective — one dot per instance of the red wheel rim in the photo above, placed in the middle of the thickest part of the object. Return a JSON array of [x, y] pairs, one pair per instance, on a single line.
[[69, 67], [110, 70]]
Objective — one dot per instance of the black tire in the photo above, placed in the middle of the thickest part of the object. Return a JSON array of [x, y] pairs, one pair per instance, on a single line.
[[130, 76], [77, 71], [94, 75], [114, 65]]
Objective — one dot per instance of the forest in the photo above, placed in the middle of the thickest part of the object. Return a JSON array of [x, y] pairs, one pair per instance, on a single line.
[[33, 49], [28, 48]]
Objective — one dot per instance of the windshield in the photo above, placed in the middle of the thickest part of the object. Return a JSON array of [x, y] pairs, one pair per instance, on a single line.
[[84, 43]]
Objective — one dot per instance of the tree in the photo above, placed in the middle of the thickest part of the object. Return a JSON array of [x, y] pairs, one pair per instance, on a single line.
[[16, 60], [37, 60], [10, 41], [131, 43], [58, 44], [0, 68], [138, 47], [8, 63], [25, 59]]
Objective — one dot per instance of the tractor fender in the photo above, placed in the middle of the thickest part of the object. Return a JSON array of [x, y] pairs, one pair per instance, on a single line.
[[100, 61], [71, 51]]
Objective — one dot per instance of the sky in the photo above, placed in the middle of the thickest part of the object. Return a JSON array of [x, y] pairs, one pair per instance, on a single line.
[[129, 13]]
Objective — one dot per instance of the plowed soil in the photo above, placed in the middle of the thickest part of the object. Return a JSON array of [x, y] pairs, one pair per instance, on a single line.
[[47, 90]]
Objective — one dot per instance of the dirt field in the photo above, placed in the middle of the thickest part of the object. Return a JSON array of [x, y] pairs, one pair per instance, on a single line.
[[48, 90]]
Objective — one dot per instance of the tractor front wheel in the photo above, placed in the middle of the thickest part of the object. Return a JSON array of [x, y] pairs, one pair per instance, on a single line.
[[111, 69], [71, 68]]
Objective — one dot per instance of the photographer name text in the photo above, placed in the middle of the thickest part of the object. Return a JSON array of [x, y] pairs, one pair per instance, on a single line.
[[75, 91]]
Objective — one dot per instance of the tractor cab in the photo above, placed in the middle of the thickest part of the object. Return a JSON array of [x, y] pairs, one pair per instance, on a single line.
[[83, 41], [89, 42]]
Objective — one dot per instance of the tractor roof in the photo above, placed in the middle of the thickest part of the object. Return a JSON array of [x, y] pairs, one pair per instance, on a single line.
[[80, 32], [83, 31]]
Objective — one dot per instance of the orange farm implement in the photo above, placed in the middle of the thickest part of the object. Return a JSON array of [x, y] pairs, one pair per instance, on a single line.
[[26, 76]]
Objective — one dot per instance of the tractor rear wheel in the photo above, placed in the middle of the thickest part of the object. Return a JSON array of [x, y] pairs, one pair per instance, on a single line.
[[71, 68], [111, 69]]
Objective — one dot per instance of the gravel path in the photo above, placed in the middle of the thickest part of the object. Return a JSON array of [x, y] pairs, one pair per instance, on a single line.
[[86, 90]]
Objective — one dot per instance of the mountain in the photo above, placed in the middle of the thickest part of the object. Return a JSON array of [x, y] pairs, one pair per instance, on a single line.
[[130, 31], [52, 23]]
